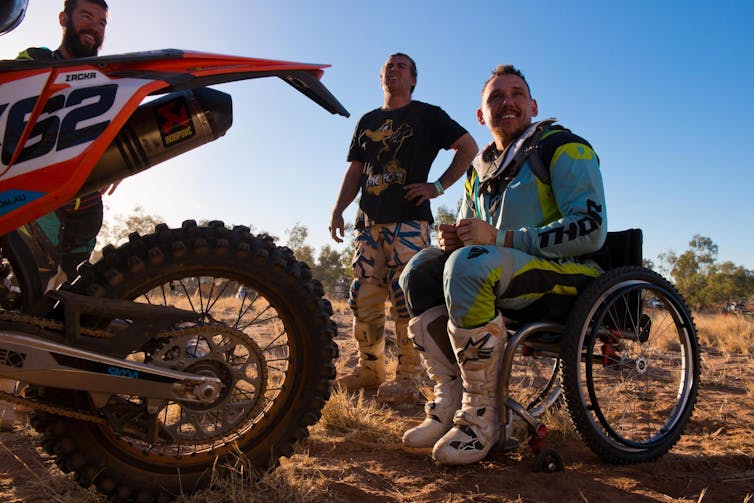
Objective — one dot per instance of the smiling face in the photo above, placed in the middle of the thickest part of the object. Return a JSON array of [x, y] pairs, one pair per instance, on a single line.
[[397, 76], [84, 29], [507, 108]]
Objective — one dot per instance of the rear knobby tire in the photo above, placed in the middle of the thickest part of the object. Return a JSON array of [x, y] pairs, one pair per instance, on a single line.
[[630, 371], [274, 345]]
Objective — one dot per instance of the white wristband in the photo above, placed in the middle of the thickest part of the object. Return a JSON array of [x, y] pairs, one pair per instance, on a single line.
[[438, 186]]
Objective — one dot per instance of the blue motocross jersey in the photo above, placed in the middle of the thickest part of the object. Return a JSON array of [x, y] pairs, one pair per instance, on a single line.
[[564, 216]]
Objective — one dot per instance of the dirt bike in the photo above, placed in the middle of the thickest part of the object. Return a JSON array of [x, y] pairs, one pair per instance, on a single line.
[[180, 350]]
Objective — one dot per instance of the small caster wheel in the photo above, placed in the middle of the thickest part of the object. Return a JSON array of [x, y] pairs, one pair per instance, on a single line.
[[548, 461]]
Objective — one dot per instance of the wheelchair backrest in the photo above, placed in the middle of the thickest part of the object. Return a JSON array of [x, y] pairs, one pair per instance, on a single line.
[[624, 247]]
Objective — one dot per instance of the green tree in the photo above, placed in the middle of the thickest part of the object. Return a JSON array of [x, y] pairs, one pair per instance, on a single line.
[[297, 242], [729, 282], [329, 268], [330, 265], [701, 279], [690, 269], [346, 255], [444, 215], [116, 228]]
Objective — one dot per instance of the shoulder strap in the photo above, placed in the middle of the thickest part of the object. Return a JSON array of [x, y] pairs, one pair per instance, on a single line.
[[501, 181], [551, 140], [471, 187], [538, 151], [36, 53]]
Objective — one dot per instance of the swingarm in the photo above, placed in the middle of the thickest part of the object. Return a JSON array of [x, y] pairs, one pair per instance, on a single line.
[[44, 363]]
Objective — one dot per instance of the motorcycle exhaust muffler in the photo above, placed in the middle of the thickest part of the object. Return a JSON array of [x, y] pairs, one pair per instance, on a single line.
[[160, 130]]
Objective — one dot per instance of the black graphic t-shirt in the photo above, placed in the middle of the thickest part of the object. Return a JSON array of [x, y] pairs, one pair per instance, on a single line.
[[397, 148]]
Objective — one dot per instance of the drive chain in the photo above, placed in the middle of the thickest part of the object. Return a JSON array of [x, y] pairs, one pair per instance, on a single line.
[[42, 406], [52, 409], [50, 324]]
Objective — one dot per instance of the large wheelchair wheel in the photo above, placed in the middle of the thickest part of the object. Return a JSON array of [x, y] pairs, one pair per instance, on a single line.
[[630, 365]]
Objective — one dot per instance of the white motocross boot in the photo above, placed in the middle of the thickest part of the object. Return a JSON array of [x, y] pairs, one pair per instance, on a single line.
[[369, 373], [429, 332], [476, 425]]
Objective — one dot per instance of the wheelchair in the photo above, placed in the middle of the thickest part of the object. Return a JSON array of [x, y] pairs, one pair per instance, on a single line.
[[625, 362]]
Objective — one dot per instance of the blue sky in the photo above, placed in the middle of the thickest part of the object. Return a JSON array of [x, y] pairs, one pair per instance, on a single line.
[[664, 91]]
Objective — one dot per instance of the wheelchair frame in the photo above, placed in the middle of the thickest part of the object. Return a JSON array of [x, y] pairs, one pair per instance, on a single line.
[[612, 394]]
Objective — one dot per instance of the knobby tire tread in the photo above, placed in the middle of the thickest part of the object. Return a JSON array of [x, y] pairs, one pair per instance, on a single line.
[[571, 350], [290, 284]]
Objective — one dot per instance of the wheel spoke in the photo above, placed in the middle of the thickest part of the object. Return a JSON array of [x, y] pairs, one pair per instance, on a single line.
[[634, 387], [263, 330]]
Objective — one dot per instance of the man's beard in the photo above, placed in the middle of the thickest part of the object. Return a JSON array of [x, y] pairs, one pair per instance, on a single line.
[[72, 42]]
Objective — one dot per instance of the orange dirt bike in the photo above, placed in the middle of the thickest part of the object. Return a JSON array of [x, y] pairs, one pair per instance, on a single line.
[[181, 350]]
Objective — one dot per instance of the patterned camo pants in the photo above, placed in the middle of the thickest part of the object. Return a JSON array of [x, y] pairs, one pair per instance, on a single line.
[[382, 252]]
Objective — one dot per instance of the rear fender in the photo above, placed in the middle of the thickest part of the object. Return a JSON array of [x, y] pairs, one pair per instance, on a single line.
[[58, 117]]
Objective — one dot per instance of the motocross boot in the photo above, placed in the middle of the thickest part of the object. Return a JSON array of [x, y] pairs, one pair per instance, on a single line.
[[404, 389], [7, 413], [56, 280], [369, 373], [429, 333], [476, 424]]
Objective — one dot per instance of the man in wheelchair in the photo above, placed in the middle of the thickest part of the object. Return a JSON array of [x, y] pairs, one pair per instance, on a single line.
[[532, 219]]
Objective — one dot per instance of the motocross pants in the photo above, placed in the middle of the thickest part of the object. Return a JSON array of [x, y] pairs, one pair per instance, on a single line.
[[72, 231], [382, 251], [475, 282]]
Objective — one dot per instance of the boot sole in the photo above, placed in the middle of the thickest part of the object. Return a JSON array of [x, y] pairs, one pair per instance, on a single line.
[[423, 451]]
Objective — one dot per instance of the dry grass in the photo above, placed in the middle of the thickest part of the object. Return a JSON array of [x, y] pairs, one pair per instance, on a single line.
[[45, 480], [346, 417], [559, 425], [729, 340], [729, 334], [358, 423], [295, 480], [340, 306], [351, 417], [749, 387]]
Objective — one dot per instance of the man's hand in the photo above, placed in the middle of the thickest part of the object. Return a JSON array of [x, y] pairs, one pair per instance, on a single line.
[[448, 238], [337, 225], [420, 191], [472, 231]]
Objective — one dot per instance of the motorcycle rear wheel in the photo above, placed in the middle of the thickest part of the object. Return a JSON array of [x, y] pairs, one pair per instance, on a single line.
[[265, 332]]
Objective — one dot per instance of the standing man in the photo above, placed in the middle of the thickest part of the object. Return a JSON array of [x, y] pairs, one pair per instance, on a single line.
[[390, 156], [71, 231], [533, 213]]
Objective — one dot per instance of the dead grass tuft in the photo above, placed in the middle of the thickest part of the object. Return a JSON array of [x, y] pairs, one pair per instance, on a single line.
[[239, 482], [355, 418], [559, 425], [749, 387], [47, 482], [730, 334]]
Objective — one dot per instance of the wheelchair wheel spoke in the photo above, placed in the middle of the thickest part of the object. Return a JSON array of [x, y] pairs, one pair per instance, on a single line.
[[632, 382]]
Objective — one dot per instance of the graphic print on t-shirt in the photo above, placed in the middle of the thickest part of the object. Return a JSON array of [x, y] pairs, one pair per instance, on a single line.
[[391, 141]]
